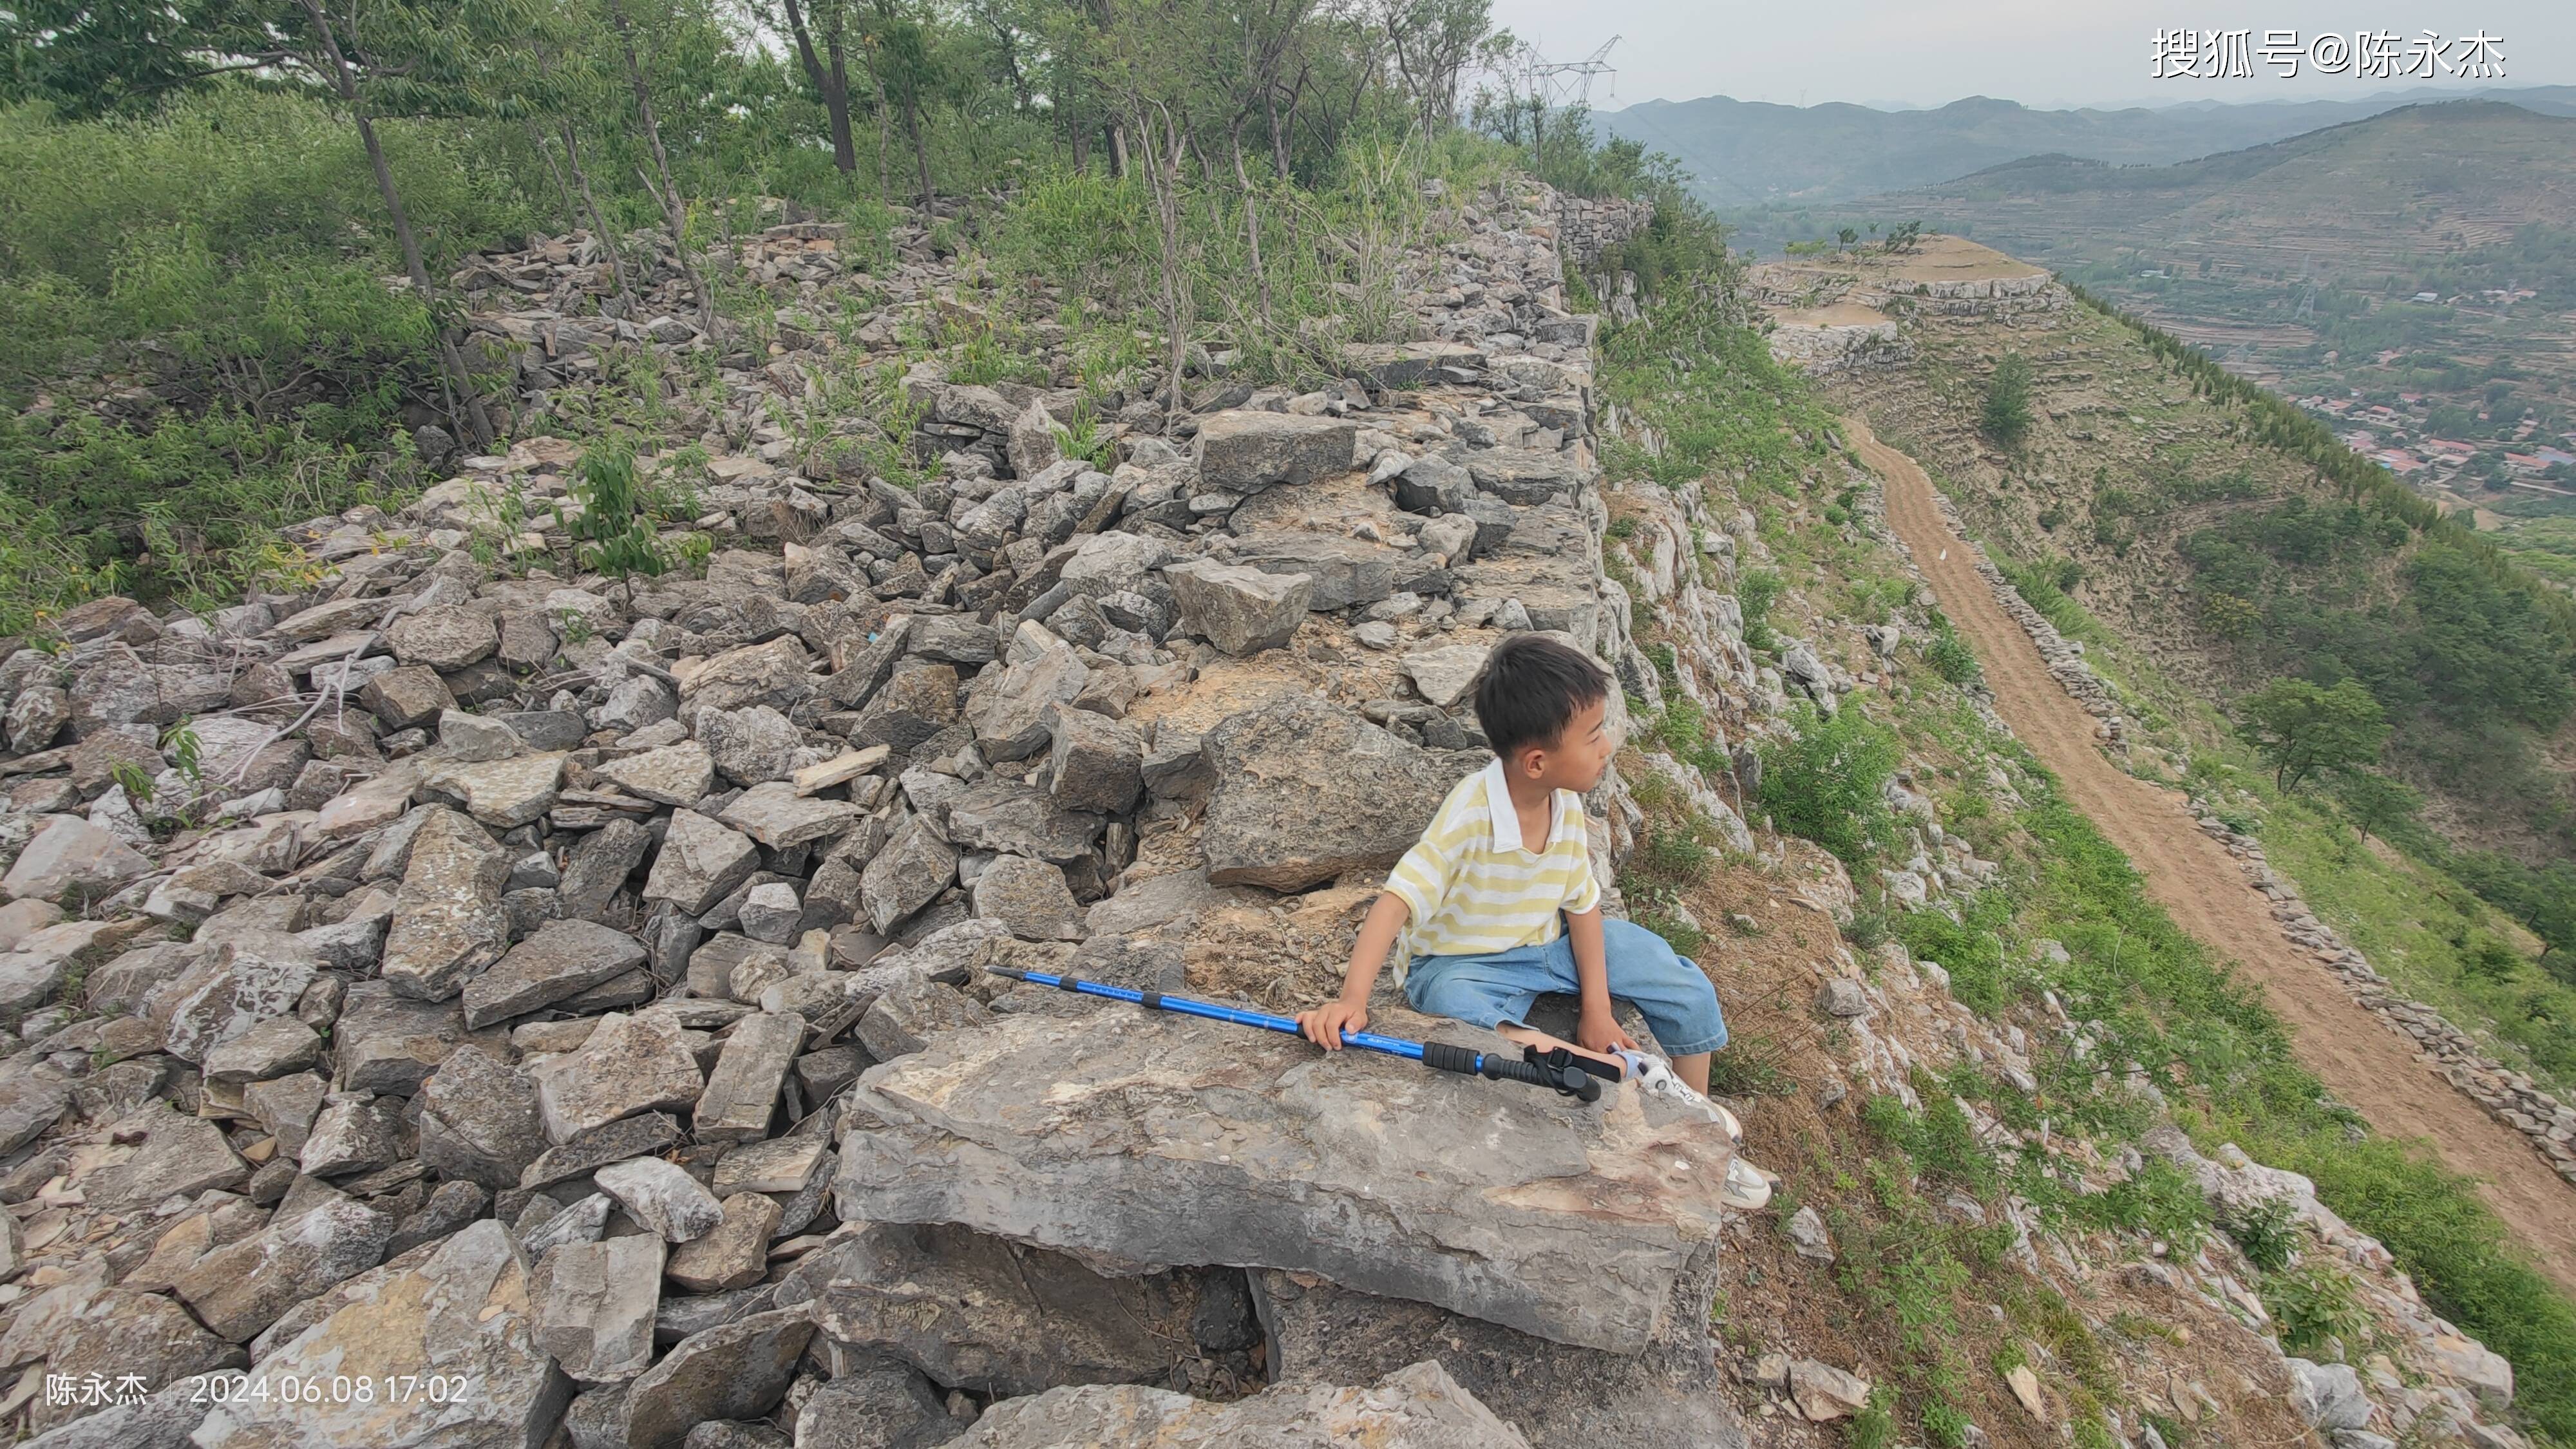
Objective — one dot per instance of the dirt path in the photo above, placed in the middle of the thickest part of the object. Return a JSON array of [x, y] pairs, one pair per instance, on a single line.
[[2360, 1060]]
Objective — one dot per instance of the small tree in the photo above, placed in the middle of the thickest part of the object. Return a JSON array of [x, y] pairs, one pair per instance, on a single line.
[[2302, 729], [613, 534], [2378, 804], [2007, 415]]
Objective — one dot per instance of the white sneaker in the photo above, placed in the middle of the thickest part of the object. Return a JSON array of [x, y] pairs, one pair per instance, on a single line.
[[1747, 1186], [1655, 1078]]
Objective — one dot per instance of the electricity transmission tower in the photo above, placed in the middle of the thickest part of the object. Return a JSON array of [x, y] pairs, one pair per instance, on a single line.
[[1576, 76]]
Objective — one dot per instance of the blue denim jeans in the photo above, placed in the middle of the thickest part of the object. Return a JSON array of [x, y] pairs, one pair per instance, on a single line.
[[1669, 990]]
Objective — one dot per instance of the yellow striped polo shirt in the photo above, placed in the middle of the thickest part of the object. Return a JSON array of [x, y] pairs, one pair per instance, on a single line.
[[1474, 888]]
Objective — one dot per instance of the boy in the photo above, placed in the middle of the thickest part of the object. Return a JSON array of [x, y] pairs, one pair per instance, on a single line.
[[1496, 903]]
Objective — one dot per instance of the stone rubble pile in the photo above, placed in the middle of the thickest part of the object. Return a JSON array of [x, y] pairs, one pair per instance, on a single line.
[[464, 970], [2510, 1096]]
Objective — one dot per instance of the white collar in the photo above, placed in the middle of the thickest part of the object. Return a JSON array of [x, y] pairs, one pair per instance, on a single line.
[[1507, 818]]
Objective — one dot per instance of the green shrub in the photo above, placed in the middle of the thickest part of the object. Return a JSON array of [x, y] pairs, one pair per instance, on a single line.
[[1825, 783], [1951, 658], [2267, 1233]]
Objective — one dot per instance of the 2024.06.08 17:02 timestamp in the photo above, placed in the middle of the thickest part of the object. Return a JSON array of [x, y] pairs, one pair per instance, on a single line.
[[239, 1388]]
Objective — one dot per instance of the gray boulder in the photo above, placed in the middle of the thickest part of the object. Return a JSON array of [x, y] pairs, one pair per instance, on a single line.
[[1377, 1175], [909, 873], [1245, 451], [594, 1304], [479, 1119], [987, 1315], [1240, 610], [737, 1370], [447, 922], [1306, 790], [700, 864], [1668, 1393], [1419, 1407], [564, 958], [458, 1314], [1030, 897]]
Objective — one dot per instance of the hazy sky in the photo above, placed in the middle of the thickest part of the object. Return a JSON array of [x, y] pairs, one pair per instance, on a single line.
[[2040, 52]]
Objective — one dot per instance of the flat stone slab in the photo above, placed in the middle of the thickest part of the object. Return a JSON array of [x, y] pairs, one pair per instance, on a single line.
[[1419, 1407], [1150, 1140]]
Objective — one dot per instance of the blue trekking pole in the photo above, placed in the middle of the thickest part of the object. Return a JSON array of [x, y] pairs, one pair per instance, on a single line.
[[1559, 1069]]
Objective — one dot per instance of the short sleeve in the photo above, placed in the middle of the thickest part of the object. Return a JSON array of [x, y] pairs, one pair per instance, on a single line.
[[1421, 878]]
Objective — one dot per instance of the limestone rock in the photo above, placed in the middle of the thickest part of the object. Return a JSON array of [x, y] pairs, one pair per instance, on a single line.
[[737, 1370], [909, 873], [479, 1119], [679, 774], [1445, 676], [1240, 610], [1030, 897], [594, 1304], [1394, 1181], [460, 1313], [701, 862], [564, 958], [661, 1197], [987, 1315], [629, 1064], [1823, 1392], [71, 857], [1669, 1393], [1306, 790], [742, 1091], [1096, 763], [886, 1404], [734, 1253], [1245, 452], [243, 1287], [1419, 1407], [444, 638], [447, 921]]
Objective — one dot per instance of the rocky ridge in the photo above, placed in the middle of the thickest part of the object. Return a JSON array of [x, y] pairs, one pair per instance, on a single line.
[[462, 968]]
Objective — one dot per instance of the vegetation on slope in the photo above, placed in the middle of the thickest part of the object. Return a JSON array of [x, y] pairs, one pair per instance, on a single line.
[[2155, 1006]]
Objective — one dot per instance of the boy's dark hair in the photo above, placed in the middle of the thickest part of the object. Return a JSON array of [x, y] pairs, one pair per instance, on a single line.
[[1530, 687]]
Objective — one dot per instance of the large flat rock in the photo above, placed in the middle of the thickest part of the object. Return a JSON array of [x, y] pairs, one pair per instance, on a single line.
[[1148, 1139]]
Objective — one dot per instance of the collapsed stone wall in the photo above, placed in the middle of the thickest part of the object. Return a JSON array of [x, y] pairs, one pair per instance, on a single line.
[[608, 957], [1589, 229]]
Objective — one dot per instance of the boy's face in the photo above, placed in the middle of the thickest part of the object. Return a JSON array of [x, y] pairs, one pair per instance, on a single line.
[[1576, 759]]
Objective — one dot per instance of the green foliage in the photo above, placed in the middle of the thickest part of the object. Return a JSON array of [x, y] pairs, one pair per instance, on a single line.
[[612, 530], [2303, 730], [2267, 1233], [2317, 1310], [2006, 416], [1825, 782], [1755, 592], [2377, 804], [1950, 656]]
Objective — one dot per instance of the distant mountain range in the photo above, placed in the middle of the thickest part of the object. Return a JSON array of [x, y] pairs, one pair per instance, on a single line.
[[1751, 153], [2353, 202]]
